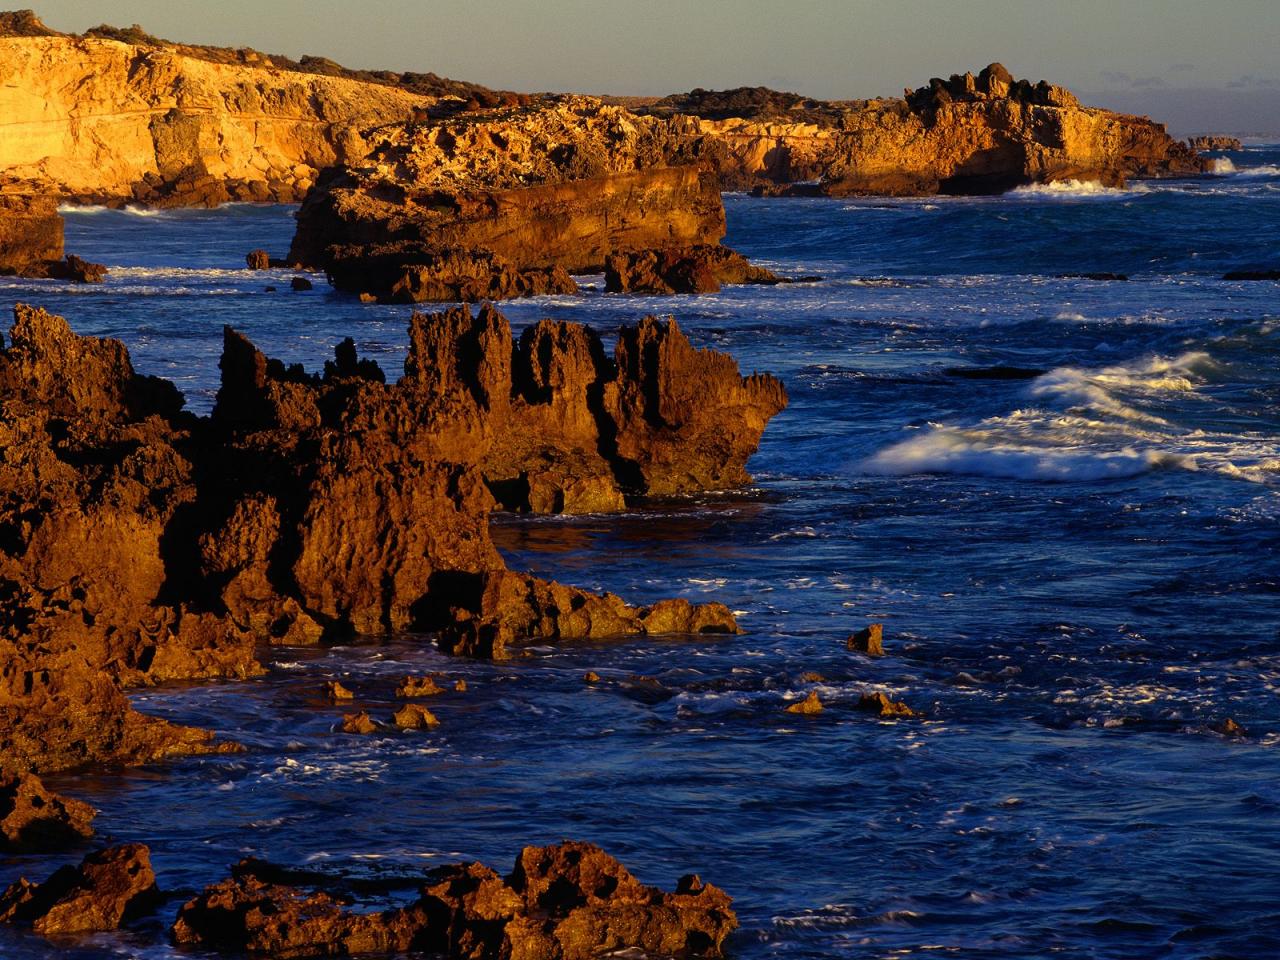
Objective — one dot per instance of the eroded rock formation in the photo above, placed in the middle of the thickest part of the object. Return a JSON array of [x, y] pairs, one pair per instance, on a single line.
[[441, 207], [969, 134], [1214, 142], [142, 544], [571, 901]]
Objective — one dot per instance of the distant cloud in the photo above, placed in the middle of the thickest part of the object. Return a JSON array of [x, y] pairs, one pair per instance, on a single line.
[[1146, 83], [1120, 79]]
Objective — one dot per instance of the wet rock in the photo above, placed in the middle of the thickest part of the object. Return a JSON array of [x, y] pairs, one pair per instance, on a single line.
[[812, 676], [701, 268], [299, 284], [1252, 275], [418, 687], [591, 677], [883, 706], [460, 686], [360, 723], [414, 716], [809, 706], [999, 372], [73, 269], [1229, 728], [868, 640], [335, 690], [570, 901], [107, 888], [33, 817], [258, 260]]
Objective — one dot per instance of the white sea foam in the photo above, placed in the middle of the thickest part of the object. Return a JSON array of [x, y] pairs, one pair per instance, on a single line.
[[1066, 190], [1263, 170], [1222, 165], [93, 209], [1089, 425]]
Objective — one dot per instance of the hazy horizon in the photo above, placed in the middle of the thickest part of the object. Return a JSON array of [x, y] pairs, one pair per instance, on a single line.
[[1196, 67]]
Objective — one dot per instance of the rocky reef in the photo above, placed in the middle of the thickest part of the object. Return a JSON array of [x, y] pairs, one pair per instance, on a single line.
[[143, 544], [106, 889], [571, 901], [1214, 142], [964, 135]]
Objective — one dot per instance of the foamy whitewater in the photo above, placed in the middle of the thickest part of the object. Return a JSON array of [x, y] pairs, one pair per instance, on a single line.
[[1060, 495]]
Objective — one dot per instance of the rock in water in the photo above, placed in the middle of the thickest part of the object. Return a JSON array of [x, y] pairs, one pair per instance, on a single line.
[[701, 268], [258, 260], [33, 817], [314, 504], [30, 230], [570, 901], [868, 640], [883, 706], [809, 706], [418, 687], [107, 888], [300, 284], [1214, 142], [413, 716]]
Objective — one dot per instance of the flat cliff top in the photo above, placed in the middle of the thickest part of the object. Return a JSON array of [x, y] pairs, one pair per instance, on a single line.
[[24, 24]]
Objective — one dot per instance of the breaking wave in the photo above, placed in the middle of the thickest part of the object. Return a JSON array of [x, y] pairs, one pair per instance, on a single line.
[[1066, 190]]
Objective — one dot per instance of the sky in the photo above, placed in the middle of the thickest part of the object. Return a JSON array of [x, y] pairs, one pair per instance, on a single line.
[[1198, 65]]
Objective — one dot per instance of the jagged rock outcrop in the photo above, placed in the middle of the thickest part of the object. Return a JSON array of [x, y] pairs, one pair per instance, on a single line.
[[91, 481], [33, 817], [130, 118], [1214, 142], [969, 134], [561, 187], [570, 901], [142, 544], [698, 269], [106, 889]]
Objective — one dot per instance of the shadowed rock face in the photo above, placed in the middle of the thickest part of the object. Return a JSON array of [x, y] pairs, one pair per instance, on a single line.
[[33, 817], [107, 888], [697, 269], [140, 544], [571, 901]]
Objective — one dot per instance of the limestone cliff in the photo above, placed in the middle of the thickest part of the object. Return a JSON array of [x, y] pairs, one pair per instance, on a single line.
[[970, 134], [103, 120]]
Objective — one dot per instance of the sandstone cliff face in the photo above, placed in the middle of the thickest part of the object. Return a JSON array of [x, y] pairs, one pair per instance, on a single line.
[[142, 544], [99, 119]]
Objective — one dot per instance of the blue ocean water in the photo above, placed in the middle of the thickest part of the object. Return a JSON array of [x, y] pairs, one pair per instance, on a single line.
[[1078, 573]]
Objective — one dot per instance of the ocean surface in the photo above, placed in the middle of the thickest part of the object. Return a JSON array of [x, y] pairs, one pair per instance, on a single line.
[[1078, 573]]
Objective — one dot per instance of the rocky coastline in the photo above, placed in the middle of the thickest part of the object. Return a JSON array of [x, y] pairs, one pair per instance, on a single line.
[[146, 545]]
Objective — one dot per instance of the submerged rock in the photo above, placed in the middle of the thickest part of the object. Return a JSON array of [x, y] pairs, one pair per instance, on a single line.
[[359, 722], [335, 690], [1252, 275], [107, 888], [258, 260], [33, 817], [570, 901]]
